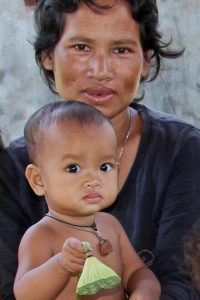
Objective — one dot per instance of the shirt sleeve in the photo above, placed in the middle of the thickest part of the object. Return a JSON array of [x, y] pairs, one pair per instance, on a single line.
[[179, 209]]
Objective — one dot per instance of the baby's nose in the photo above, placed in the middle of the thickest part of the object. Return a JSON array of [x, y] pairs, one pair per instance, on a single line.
[[92, 183]]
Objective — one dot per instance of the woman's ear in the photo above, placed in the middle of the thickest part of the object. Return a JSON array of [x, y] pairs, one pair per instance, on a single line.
[[47, 61], [146, 64], [35, 180]]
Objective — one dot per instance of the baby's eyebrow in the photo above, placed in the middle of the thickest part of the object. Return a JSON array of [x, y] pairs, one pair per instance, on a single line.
[[70, 156], [76, 157], [110, 157]]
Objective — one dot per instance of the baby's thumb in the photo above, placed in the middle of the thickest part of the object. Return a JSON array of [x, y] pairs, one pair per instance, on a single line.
[[74, 244]]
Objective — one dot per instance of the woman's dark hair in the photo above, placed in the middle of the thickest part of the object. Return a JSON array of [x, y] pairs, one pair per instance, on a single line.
[[192, 254], [1, 143], [50, 20]]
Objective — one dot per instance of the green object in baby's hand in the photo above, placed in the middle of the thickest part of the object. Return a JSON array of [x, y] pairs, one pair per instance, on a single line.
[[95, 275]]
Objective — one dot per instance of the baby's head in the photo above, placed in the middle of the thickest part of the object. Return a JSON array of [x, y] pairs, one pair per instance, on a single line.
[[73, 153], [47, 120]]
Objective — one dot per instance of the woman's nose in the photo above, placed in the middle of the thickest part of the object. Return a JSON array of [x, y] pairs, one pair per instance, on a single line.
[[100, 67]]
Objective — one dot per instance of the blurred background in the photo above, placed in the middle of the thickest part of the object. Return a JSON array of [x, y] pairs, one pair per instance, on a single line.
[[22, 91]]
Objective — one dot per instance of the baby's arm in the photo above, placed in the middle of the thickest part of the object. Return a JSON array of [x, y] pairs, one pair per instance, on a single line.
[[139, 281], [41, 275], [143, 285]]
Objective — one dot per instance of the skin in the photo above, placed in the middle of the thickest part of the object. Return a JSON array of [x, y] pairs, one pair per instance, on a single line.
[[50, 254], [76, 163], [99, 60], [95, 62]]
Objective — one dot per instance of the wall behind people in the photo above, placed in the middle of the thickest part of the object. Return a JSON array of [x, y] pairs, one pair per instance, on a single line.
[[178, 86], [22, 90]]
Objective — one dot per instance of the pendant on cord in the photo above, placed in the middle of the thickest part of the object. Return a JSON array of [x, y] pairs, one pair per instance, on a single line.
[[105, 247]]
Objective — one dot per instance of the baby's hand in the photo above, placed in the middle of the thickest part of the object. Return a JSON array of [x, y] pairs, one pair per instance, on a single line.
[[73, 256], [144, 294]]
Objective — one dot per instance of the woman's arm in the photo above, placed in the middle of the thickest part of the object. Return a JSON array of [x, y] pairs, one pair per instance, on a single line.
[[180, 208], [139, 281], [19, 209]]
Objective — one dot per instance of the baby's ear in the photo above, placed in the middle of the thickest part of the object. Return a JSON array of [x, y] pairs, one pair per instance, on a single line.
[[35, 180]]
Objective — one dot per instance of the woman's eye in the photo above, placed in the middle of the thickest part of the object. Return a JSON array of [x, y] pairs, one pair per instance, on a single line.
[[106, 167], [73, 168], [81, 47], [121, 50]]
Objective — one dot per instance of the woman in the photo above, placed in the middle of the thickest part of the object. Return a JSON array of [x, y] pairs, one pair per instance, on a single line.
[[99, 52]]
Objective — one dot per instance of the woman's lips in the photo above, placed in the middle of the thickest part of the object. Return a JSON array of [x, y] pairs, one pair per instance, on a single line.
[[99, 93]]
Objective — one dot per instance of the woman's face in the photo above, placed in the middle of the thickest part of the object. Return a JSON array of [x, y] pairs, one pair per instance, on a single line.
[[99, 58]]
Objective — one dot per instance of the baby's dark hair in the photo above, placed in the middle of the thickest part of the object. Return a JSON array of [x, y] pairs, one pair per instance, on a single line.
[[42, 120], [192, 254], [50, 20]]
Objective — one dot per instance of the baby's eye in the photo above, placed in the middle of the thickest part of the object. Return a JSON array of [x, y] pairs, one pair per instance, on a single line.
[[106, 167], [81, 47], [73, 168]]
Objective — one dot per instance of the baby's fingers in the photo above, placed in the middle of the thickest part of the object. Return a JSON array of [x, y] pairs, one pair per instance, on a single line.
[[73, 256], [70, 264], [74, 247]]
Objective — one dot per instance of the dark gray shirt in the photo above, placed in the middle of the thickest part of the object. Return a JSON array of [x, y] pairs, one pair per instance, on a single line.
[[157, 205]]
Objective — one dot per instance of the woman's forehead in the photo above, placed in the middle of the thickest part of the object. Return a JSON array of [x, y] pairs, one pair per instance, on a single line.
[[84, 18]]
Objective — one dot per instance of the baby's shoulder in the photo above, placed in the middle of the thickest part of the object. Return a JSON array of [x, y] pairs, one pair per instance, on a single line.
[[107, 219], [104, 216], [38, 231]]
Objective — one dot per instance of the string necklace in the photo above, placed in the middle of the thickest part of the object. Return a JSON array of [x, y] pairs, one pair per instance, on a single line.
[[105, 246], [126, 138]]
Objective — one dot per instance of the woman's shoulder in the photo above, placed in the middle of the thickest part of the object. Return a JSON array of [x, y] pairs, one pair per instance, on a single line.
[[17, 146], [166, 125], [14, 159], [16, 151]]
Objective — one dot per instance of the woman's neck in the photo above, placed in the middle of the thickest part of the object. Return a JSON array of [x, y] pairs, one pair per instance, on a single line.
[[121, 124], [125, 125]]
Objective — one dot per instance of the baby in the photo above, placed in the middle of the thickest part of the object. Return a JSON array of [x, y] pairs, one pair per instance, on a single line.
[[73, 153]]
